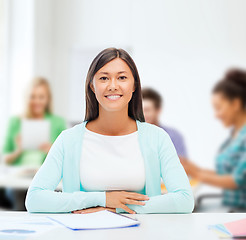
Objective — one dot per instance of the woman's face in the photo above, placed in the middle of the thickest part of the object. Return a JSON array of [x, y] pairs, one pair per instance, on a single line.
[[113, 85], [225, 109], [38, 100]]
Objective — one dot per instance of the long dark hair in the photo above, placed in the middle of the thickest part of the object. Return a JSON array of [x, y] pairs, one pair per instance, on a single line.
[[233, 85], [135, 109]]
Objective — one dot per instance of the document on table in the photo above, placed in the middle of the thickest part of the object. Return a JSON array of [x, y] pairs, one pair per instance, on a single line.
[[34, 133], [98, 220], [235, 229], [22, 227]]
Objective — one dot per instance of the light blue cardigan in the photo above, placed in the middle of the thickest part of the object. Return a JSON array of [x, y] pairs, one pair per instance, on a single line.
[[63, 159]]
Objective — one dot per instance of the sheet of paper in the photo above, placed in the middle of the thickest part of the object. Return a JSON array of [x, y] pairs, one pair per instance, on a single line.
[[220, 231], [98, 220], [237, 228], [34, 133], [22, 227]]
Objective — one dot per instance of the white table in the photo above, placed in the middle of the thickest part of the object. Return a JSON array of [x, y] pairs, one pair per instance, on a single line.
[[18, 178], [153, 226]]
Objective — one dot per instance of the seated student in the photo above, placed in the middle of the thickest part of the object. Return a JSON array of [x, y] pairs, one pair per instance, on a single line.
[[229, 101], [152, 106], [112, 160], [38, 106]]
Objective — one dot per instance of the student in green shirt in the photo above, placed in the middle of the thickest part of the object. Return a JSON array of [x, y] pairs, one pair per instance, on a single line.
[[38, 106]]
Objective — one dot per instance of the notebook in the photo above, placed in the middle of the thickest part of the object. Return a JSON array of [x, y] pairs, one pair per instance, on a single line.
[[34, 133], [99, 220], [235, 229]]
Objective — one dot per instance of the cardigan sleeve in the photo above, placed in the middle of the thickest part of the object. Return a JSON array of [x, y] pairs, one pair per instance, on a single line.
[[179, 198], [41, 195]]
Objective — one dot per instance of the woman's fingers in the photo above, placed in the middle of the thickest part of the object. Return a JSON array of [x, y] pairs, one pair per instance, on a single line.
[[134, 202], [115, 199], [77, 211], [136, 196], [127, 209]]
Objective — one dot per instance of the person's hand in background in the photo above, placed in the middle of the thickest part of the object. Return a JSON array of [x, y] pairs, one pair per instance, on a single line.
[[10, 158], [93, 209], [45, 147]]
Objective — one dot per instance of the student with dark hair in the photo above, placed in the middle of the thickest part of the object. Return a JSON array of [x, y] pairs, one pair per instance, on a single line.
[[113, 160], [152, 107], [229, 101]]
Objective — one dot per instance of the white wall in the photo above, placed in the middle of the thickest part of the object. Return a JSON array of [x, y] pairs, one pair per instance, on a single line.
[[4, 86], [17, 54], [180, 47]]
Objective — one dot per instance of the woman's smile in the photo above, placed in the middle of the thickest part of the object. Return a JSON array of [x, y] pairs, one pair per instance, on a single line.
[[113, 97]]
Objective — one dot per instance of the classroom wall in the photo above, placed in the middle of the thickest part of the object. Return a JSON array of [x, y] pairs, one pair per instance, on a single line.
[[16, 67], [180, 47]]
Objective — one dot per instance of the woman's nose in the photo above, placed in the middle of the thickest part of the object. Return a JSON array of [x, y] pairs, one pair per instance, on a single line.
[[113, 84]]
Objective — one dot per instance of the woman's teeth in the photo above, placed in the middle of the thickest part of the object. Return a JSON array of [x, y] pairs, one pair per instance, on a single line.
[[113, 97]]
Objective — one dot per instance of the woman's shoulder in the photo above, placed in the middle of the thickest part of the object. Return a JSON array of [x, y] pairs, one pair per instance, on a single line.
[[15, 120], [55, 117], [74, 132], [153, 133], [152, 128]]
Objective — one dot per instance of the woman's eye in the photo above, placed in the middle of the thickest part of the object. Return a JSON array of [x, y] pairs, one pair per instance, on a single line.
[[122, 77], [103, 78]]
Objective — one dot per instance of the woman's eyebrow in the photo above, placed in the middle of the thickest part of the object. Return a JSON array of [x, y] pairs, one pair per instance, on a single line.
[[109, 73], [103, 72]]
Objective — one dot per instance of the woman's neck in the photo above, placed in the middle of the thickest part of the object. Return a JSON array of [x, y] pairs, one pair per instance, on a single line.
[[38, 116], [114, 123], [239, 123]]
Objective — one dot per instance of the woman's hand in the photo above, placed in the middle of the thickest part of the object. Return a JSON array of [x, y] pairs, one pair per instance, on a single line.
[[93, 209], [11, 157], [119, 199], [45, 147]]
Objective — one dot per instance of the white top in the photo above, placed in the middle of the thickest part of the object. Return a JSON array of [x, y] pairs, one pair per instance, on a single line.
[[111, 162]]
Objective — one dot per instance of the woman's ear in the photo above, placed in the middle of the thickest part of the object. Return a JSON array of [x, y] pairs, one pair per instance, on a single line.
[[92, 87], [134, 88]]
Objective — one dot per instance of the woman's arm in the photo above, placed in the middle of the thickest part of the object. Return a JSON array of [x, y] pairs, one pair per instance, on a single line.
[[11, 157], [209, 176], [179, 198], [223, 181], [12, 144], [41, 196]]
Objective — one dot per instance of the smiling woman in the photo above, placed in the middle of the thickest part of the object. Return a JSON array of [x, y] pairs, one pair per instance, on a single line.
[[113, 160]]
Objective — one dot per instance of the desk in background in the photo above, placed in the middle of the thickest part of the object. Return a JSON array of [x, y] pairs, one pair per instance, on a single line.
[[18, 178]]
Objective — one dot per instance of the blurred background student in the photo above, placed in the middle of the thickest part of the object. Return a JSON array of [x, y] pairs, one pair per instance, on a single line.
[[229, 102], [38, 106], [152, 107]]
